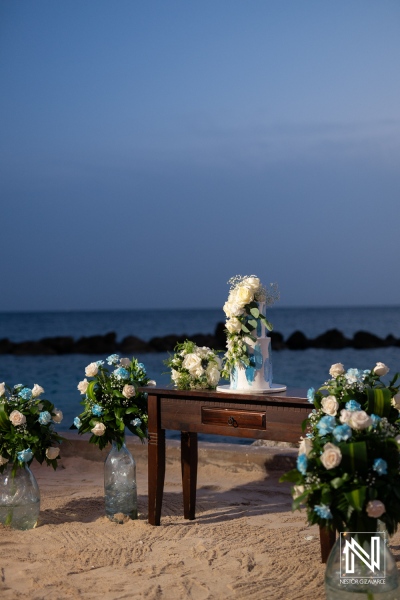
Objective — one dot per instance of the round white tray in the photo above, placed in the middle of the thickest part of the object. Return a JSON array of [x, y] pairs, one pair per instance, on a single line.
[[276, 387]]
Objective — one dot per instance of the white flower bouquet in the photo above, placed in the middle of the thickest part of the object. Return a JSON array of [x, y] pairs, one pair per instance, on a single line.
[[27, 427], [246, 301], [348, 465], [194, 368]]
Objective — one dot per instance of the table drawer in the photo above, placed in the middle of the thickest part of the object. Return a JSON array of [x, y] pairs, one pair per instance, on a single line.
[[227, 417]]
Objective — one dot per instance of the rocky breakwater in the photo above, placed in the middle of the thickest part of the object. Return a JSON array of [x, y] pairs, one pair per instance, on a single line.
[[108, 343]]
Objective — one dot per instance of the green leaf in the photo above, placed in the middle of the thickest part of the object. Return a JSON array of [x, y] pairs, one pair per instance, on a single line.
[[4, 420], [379, 401], [252, 323], [294, 476], [268, 325], [90, 390], [356, 497], [354, 456], [337, 482], [255, 312], [245, 329]]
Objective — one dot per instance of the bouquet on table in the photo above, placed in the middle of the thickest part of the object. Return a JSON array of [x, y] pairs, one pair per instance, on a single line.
[[246, 301], [347, 472], [112, 402], [27, 427], [194, 368]]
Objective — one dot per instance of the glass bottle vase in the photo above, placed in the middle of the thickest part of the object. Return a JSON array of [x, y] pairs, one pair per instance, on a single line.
[[120, 491], [19, 497], [360, 569]]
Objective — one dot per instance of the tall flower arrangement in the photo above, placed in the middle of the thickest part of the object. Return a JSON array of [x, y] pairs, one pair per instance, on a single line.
[[194, 368], [347, 471], [27, 427], [112, 402], [243, 314]]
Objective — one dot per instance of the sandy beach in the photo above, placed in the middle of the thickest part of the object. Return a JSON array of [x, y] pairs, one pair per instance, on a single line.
[[244, 543]]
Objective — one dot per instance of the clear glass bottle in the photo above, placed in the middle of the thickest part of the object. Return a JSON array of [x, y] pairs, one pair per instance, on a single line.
[[120, 489], [19, 498], [361, 582]]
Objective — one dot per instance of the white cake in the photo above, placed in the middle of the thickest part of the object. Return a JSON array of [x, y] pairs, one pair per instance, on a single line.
[[257, 376]]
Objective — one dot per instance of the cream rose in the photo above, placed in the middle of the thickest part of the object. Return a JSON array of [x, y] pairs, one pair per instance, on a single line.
[[3, 461], [213, 375], [232, 309], [396, 401], [359, 419], [83, 386], [336, 370], [174, 375], [17, 418], [128, 391], [305, 446], [57, 415], [98, 429], [52, 452], [192, 362], [330, 405], [331, 456], [2, 388], [37, 390], [345, 416], [381, 369], [253, 283], [125, 362], [233, 325], [243, 295], [397, 438], [91, 370], [375, 509]]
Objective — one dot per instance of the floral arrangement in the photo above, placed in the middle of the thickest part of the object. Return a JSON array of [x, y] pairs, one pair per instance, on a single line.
[[347, 472], [194, 368], [27, 427], [111, 401], [244, 317]]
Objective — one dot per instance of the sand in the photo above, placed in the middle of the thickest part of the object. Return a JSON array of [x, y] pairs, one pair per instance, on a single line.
[[244, 544]]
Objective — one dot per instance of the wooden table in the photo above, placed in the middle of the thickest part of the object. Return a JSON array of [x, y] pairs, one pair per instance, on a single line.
[[275, 416]]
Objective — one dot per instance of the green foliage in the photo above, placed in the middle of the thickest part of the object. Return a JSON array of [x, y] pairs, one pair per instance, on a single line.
[[194, 368]]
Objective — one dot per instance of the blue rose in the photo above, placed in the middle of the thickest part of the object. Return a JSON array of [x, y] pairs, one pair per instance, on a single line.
[[342, 433], [141, 366], [99, 363], [97, 410], [44, 417], [113, 359], [302, 463], [380, 466], [375, 420], [136, 422], [121, 373], [326, 425], [77, 422], [353, 405], [354, 376], [25, 455], [25, 393], [310, 394], [323, 511]]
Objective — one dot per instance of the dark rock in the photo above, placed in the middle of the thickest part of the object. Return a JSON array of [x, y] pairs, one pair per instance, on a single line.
[[364, 340], [134, 345], [277, 341], [390, 340], [96, 344], [333, 338], [297, 341], [201, 339], [32, 348], [6, 347], [60, 345], [220, 336], [166, 343]]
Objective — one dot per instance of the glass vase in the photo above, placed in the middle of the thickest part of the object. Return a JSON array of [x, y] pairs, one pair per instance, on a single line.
[[360, 568], [120, 490], [19, 498]]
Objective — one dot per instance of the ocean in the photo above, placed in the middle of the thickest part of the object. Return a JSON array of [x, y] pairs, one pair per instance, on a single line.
[[59, 375]]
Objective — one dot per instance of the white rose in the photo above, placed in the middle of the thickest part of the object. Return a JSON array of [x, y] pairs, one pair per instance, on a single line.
[[57, 415], [174, 375], [397, 438], [253, 283], [243, 295], [125, 362], [129, 391], [83, 386], [99, 429], [297, 491], [233, 325], [197, 371], [345, 416], [213, 375], [203, 352], [37, 390], [232, 309], [151, 383], [375, 509], [359, 419], [191, 362], [336, 370], [17, 418], [305, 446], [330, 405], [396, 401], [52, 452], [91, 370], [331, 456], [3, 461], [2, 388], [381, 369]]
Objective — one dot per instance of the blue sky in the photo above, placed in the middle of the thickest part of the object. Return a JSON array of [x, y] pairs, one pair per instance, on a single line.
[[152, 150]]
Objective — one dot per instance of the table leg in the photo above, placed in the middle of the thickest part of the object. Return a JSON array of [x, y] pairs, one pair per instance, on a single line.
[[156, 458], [327, 538], [189, 473]]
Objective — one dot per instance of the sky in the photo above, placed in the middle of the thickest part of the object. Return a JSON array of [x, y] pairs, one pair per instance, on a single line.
[[152, 150]]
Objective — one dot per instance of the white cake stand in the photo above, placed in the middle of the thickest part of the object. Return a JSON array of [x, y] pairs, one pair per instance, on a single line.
[[275, 387]]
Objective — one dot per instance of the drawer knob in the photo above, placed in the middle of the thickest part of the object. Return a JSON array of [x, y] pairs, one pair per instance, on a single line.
[[232, 421]]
